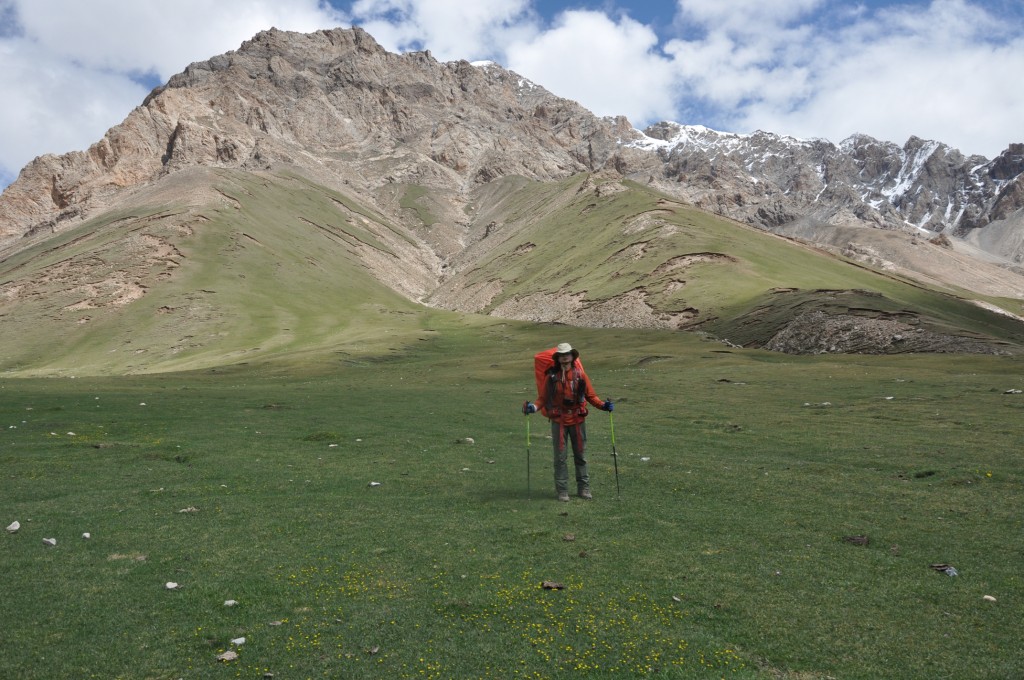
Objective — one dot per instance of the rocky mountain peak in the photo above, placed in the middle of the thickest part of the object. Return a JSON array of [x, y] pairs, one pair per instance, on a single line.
[[334, 104], [338, 107]]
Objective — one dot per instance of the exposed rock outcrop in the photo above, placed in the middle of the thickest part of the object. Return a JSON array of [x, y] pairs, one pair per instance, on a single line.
[[338, 106]]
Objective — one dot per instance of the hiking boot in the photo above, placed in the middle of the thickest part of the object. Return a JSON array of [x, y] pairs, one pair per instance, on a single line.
[[563, 496], [585, 494]]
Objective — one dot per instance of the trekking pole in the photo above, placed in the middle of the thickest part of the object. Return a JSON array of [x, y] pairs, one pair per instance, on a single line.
[[615, 456], [528, 493]]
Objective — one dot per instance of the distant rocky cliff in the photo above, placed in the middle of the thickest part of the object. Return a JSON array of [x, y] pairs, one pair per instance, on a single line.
[[779, 182]]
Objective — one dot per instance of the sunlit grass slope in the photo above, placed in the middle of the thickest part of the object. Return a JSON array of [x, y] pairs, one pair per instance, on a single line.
[[604, 240], [274, 265], [268, 267]]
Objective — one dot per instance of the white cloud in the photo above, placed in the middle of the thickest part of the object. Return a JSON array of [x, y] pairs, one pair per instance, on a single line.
[[75, 65], [611, 67], [157, 36], [59, 106], [746, 16], [450, 29], [937, 71]]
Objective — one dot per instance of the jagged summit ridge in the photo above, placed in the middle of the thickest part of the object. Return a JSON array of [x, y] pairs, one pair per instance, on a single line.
[[338, 107], [334, 104], [924, 184]]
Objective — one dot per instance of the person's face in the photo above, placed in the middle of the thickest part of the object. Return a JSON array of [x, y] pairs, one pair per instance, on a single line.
[[565, 361]]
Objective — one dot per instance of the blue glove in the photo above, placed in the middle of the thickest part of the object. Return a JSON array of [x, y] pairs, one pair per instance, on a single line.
[[608, 406], [528, 408]]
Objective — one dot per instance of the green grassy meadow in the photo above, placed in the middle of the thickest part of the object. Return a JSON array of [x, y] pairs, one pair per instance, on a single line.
[[740, 472]]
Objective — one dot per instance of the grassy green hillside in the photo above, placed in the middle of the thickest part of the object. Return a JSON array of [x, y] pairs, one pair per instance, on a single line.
[[277, 266], [603, 240], [353, 472], [268, 269]]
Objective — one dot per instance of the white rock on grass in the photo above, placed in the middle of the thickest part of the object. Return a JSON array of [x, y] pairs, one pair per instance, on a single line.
[[229, 655], [51, 542], [988, 598], [86, 535], [238, 641], [230, 603], [13, 527], [171, 585]]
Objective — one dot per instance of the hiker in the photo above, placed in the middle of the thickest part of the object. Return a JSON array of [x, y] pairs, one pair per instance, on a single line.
[[562, 393]]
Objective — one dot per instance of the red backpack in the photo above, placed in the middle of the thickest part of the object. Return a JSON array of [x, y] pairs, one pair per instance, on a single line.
[[542, 361]]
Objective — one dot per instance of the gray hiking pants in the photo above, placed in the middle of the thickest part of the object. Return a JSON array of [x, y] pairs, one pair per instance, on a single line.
[[577, 436]]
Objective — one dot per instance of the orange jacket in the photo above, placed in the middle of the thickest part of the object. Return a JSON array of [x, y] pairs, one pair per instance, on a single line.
[[564, 395]]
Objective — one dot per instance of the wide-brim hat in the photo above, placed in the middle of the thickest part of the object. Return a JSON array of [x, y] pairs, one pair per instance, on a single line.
[[566, 348]]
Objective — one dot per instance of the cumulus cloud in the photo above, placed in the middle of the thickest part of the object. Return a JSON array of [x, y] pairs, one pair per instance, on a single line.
[[450, 30], [60, 106], [611, 67], [155, 36], [75, 69], [937, 71]]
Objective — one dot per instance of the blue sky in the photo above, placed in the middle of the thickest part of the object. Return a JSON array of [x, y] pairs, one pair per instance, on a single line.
[[937, 69]]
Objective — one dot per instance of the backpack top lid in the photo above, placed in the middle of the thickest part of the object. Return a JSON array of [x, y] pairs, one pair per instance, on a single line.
[[542, 361]]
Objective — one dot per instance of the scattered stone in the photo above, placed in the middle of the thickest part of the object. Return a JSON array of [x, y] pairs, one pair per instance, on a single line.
[[86, 536], [947, 569], [238, 641], [50, 542], [824, 404], [13, 527], [856, 540], [569, 538], [374, 484], [230, 603], [644, 459], [552, 585], [229, 655], [373, 650], [189, 509], [988, 598], [1012, 392], [276, 623], [171, 585], [465, 440], [676, 598]]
